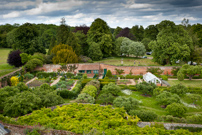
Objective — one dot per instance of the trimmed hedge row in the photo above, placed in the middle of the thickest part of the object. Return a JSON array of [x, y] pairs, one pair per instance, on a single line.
[[45, 74], [128, 77]]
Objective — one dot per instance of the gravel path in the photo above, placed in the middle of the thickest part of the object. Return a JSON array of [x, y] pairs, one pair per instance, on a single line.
[[73, 85], [31, 80], [56, 81]]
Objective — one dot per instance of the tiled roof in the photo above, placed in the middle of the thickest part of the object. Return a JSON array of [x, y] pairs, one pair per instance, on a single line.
[[88, 67]]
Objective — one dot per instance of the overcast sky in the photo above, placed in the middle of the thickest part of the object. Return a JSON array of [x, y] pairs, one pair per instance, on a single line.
[[123, 13]]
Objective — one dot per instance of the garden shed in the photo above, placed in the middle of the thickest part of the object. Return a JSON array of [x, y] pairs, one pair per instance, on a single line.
[[150, 78]]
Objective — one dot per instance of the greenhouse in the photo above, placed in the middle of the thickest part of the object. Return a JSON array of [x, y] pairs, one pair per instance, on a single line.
[[150, 78]]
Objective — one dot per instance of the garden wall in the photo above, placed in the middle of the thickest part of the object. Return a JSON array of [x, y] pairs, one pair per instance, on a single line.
[[136, 70]]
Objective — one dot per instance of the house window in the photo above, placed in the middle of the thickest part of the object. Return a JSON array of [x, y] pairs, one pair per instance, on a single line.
[[88, 71], [81, 71], [95, 71]]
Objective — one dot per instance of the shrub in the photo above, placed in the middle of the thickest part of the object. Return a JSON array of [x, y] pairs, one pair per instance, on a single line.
[[85, 81], [170, 118], [153, 70], [175, 70], [159, 90], [146, 88], [14, 58], [63, 86], [194, 97], [176, 109], [180, 76], [109, 74], [62, 79], [66, 94], [112, 89], [48, 80], [14, 80], [85, 59], [90, 89], [178, 89], [46, 74], [197, 119], [94, 83], [33, 63], [29, 76], [119, 71], [144, 115], [85, 98], [164, 77], [105, 98], [22, 87], [166, 98], [128, 103], [85, 76], [69, 75]]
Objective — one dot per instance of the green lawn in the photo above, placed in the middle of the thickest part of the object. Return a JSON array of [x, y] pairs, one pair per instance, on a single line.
[[4, 67], [128, 61], [188, 83]]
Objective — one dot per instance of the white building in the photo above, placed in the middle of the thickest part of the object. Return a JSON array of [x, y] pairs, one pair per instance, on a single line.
[[150, 78]]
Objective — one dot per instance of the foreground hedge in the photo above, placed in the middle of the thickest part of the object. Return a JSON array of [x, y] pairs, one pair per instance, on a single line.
[[80, 118]]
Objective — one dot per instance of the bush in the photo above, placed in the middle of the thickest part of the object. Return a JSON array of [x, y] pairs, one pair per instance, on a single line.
[[66, 94], [69, 75], [29, 76], [22, 87], [77, 88], [164, 77], [176, 109], [85, 98], [33, 63], [85, 59], [105, 98], [46, 74], [128, 103], [166, 98], [85, 81], [112, 89], [159, 90], [48, 80], [109, 74], [194, 97], [85, 76], [146, 88], [175, 70], [180, 76], [178, 89], [14, 80], [90, 89], [195, 90], [94, 83], [62, 79], [14, 58], [144, 115], [170, 118], [197, 119]]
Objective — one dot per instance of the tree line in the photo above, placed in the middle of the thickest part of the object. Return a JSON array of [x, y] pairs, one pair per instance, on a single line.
[[168, 42]]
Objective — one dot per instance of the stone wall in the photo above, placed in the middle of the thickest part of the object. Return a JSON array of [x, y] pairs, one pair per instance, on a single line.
[[170, 126], [136, 70]]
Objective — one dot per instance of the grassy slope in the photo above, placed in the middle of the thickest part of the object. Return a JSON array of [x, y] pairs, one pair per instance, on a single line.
[[4, 67], [128, 61], [188, 83]]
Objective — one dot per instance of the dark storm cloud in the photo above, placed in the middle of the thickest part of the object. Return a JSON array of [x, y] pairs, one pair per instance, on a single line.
[[115, 12]]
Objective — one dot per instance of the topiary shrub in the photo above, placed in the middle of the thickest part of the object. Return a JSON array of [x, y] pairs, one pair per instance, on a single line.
[[109, 74], [176, 109], [14, 80], [85, 98], [14, 58], [146, 88], [164, 77], [144, 115], [128, 103], [85, 76], [94, 83], [66, 94], [105, 98]]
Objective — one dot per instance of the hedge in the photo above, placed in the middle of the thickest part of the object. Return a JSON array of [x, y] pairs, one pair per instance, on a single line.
[[85, 81], [45, 74], [105, 83]]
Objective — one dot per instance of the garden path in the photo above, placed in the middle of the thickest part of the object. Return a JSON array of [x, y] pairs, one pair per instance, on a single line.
[[73, 85], [31, 80], [56, 81], [132, 82]]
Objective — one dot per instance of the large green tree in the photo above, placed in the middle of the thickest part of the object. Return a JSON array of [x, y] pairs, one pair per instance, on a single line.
[[117, 47], [137, 49], [173, 43], [191, 70], [151, 32], [73, 42], [27, 39], [83, 42], [100, 33], [94, 51], [62, 32], [138, 32]]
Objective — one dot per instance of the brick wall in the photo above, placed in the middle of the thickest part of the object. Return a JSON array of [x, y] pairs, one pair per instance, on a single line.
[[136, 70]]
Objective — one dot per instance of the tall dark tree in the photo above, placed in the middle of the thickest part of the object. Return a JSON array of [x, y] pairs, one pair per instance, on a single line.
[[52, 44], [138, 32], [83, 42], [117, 31], [26, 39], [73, 42], [126, 33], [62, 32], [14, 58]]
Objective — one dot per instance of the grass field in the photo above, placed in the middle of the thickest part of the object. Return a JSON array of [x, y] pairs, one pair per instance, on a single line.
[[128, 61], [188, 83], [150, 103], [5, 68]]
